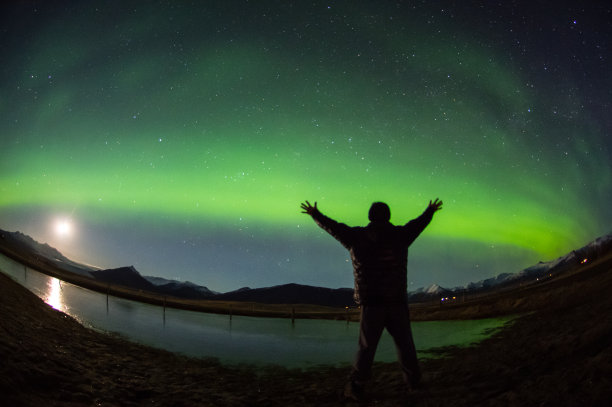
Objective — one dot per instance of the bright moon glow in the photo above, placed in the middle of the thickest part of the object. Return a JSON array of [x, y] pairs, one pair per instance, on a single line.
[[63, 228]]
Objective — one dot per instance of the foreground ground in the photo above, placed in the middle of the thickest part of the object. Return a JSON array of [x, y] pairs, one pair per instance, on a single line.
[[558, 355]]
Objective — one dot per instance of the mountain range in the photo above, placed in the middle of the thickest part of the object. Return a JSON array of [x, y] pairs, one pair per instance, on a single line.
[[295, 293]]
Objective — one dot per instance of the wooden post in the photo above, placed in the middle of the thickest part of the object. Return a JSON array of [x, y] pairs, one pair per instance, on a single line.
[[164, 310], [107, 291], [293, 315]]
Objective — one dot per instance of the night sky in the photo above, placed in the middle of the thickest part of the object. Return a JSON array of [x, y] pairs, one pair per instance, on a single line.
[[181, 137]]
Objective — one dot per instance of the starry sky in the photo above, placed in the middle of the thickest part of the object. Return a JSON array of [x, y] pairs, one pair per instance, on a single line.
[[181, 137]]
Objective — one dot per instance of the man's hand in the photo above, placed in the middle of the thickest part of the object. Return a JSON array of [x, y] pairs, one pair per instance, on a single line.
[[308, 208], [435, 205]]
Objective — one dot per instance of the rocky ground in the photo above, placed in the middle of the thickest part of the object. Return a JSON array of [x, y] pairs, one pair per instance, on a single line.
[[557, 355]]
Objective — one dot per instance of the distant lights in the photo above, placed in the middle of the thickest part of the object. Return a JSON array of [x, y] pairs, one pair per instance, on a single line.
[[584, 261]]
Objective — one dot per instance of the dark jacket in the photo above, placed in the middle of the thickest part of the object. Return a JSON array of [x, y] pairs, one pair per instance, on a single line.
[[379, 253]]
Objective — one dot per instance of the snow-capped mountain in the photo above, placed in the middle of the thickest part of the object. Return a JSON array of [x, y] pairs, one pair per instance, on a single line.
[[585, 254]]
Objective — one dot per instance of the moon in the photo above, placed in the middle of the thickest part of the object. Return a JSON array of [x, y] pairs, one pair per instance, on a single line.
[[63, 228]]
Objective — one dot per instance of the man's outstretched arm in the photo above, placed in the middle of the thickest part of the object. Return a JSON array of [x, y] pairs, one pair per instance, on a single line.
[[416, 226], [339, 231]]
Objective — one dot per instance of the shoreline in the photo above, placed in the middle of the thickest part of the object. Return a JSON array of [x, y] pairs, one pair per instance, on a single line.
[[297, 311], [513, 301]]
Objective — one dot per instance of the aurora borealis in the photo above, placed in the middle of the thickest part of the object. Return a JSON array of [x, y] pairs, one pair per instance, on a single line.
[[181, 138]]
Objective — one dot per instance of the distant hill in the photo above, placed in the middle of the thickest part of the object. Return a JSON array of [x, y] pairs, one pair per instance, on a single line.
[[296, 293], [125, 276], [130, 277], [433, 292], [181, 289], [22, 243], [292, 294], [544, 270]]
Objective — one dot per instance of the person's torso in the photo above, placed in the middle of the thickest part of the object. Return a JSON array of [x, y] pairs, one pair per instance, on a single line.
[[379, 254]]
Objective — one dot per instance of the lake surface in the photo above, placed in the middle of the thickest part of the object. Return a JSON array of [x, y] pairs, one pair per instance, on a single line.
[[238, 339]]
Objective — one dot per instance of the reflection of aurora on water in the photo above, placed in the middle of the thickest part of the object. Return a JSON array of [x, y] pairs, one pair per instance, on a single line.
[[181, 139]]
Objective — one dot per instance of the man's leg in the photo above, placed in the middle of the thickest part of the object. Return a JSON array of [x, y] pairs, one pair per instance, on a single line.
[[398, 325], [370, 329]]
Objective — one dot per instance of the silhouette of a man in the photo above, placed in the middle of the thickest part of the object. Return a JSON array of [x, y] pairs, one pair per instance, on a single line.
[[379, 252]]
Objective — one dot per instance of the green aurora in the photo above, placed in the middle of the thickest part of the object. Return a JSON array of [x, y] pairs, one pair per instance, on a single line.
[[219, 120]]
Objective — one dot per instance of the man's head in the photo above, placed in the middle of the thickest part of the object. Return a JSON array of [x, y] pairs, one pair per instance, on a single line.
[[379, 212]]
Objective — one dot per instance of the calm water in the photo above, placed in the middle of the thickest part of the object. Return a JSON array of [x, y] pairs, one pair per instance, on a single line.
[[239, 339]]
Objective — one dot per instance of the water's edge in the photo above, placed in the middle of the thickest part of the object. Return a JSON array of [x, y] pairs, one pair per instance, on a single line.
[[235, 339]]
